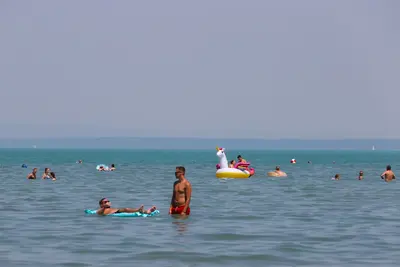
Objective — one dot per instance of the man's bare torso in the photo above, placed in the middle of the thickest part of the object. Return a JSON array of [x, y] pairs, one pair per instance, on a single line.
[[106, 211], [180, 192], [389, 176]]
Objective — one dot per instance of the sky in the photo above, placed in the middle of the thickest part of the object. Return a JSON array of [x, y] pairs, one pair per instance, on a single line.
[[224, 69]]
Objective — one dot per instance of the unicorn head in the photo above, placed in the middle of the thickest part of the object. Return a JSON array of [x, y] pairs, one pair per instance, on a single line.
[[223, 162]]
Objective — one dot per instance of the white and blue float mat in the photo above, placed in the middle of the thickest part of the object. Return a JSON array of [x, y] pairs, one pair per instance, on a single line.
[[126, 214]]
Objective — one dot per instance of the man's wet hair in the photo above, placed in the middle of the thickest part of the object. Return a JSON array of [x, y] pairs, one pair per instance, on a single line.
[[101, 200], [388, 168], [181, 168], [239, 156]]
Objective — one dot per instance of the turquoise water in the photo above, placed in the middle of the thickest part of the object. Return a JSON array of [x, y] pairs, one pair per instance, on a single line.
[[305, 219]]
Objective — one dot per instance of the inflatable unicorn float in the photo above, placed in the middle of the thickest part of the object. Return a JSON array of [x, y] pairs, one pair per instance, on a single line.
[[223, 170]]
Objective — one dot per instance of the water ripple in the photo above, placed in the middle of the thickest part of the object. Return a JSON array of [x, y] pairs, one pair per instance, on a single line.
[[305, 219]]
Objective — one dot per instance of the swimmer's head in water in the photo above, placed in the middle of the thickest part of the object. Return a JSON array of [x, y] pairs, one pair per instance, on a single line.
[[388, 168], [34, 170], [361, 173], [277, 168], [104, 202], [337, 176]]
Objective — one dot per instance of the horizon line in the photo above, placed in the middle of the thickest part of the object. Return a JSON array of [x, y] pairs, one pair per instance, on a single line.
[[203, 138], [197, 149]]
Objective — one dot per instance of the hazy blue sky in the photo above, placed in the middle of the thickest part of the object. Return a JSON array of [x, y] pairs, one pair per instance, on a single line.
[[271, 69]]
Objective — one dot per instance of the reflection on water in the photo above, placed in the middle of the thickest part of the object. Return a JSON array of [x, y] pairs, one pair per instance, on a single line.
[[180, 223]]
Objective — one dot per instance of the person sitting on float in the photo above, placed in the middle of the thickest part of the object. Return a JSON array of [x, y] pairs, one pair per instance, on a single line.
[[232, 164], [242, 160]]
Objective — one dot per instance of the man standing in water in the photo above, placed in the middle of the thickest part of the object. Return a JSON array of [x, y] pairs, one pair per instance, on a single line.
[[182, 193], [388, 175]]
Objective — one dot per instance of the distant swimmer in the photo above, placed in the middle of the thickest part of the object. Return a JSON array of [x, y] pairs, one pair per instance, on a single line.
[[337, 177], [388, 175], [79, 161], [53, 176], [32, 175], [181, 194], [232, 164], [105, 208], [46, 174], [277, 173], [361, 175], [112, 168]]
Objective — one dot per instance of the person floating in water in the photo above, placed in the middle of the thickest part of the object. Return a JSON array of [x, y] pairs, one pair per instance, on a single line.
[[46, 174], [337, 177], [112, 168], [279, 172], [361, 175], [32, 175], [181, 194], [105, 208], [388, 175]]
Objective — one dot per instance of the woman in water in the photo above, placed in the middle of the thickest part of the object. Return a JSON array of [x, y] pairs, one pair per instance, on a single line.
[[360, 175], [112, 167], [46, 174]]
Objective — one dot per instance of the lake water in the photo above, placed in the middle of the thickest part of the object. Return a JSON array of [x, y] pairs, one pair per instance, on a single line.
[[305, 219]]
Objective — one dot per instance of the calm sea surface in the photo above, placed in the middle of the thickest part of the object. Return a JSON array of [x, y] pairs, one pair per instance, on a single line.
[[305, 219]]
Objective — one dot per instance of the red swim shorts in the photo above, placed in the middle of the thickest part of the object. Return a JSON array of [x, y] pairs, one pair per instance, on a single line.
[[179, 210]]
